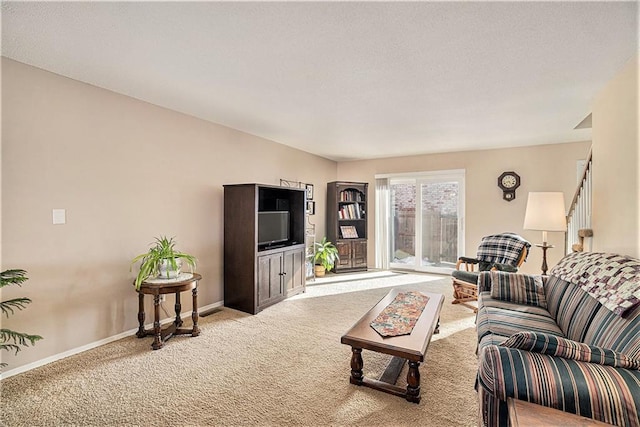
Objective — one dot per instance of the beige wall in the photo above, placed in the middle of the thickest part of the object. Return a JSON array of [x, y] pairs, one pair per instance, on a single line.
[[125, 171], [616, 159], [541, 168]]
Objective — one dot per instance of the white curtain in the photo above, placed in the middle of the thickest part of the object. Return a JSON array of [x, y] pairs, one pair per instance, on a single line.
[[383, 201]]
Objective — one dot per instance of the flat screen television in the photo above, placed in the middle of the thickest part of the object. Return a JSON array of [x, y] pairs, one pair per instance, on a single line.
[[273, 227]]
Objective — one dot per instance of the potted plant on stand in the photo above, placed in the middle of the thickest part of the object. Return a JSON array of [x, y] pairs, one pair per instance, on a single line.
[[161, 261], [326, 255]]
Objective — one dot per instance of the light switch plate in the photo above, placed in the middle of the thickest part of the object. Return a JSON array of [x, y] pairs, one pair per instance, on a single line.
[[59, 216]]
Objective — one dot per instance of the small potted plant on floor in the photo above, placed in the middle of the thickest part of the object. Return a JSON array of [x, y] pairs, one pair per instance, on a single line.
[[326, 255], [161, 261]]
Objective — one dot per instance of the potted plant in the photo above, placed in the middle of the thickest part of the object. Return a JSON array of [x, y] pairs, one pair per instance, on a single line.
[[326, 255], [161, 261], [12, 340]]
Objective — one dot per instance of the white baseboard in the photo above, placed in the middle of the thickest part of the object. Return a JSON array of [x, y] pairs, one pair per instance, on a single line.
[[125, 334]]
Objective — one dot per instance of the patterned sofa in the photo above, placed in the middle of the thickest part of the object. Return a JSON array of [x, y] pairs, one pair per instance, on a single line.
[[570, 340]]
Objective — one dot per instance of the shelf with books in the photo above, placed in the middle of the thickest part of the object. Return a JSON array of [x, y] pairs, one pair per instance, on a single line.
[[351, 211]]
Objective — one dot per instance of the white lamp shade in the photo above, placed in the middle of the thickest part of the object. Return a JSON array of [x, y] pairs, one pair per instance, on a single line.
[[545, 211]]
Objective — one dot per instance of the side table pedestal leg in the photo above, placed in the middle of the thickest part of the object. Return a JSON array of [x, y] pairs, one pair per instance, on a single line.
[[141, 332], [194, 314], [157, 332]]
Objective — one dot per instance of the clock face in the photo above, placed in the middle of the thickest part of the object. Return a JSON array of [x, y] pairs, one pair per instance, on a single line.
[[509, 181]]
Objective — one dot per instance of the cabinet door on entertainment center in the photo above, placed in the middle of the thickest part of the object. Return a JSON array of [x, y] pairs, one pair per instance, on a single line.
[[294, 269], [269, 279]]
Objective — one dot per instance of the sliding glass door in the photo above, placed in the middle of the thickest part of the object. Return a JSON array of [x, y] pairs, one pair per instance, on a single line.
[[427, 212]]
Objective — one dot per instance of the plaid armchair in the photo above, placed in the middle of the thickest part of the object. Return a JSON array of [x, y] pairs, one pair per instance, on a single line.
[[503, 252]]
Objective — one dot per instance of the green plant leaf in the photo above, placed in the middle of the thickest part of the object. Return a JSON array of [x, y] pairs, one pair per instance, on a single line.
[[17, 303], [12, 277]]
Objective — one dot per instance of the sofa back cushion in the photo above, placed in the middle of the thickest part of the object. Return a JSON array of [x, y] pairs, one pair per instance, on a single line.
[[518, 288], [581, 318], [622, 334]]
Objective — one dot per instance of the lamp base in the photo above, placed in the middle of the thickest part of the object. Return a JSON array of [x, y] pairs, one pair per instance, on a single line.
[[544, 247]]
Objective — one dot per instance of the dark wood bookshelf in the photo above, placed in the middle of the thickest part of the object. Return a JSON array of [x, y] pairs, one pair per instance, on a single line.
[[347, 223]]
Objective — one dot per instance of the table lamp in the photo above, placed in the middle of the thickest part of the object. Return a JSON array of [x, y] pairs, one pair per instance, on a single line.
[[545, 212]]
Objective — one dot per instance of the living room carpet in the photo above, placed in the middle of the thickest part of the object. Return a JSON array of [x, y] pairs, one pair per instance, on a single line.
[[283, 366]]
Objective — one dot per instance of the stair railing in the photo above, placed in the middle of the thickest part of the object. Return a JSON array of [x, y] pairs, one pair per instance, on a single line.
[[579, 215]]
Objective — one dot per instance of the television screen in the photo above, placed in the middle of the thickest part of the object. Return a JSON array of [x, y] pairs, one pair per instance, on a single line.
[[273, 227]]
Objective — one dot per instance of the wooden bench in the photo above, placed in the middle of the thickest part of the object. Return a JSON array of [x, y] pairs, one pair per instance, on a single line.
[[410, 347]]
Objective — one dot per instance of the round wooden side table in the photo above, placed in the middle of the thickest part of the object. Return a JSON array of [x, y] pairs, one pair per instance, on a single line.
[[157, 287]]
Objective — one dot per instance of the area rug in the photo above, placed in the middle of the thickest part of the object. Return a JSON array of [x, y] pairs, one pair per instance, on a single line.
[[282, 367]]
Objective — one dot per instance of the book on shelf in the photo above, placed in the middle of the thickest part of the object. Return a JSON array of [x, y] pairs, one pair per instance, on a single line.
[[348, 232]]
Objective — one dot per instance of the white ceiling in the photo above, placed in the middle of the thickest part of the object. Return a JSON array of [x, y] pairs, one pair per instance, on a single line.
[[344, 80]]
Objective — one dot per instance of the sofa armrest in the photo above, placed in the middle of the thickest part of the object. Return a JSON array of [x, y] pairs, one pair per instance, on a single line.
[[484, 281], [553, 345], [597, 391]]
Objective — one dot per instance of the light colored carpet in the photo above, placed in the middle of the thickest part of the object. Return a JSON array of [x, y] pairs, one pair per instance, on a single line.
[[284, 366]]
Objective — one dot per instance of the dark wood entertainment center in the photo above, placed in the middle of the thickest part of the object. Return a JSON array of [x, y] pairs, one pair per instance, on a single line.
[[259, 275]]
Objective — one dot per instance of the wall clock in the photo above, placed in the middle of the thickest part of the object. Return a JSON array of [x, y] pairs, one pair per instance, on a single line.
[[508, 182]]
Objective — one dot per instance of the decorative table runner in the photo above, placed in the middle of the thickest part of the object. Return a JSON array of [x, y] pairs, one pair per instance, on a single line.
[[401, 315]]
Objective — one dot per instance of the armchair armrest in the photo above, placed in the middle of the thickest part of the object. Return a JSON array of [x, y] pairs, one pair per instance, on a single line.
[[468, 263], [505, 267]]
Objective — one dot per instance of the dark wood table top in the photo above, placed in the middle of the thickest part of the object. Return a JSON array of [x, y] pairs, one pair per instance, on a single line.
[[412, 346]]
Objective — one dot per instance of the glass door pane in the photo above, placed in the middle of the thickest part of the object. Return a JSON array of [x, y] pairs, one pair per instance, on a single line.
[[439, 214], [427, 230], [403, 212]]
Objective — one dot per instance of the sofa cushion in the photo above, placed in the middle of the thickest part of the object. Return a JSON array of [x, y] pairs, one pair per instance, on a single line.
[[503, 322], [465, 276], [518, 288], [573, 309], [581, 318], [488, 301], [617, 333], [562, 347], [595, 391]]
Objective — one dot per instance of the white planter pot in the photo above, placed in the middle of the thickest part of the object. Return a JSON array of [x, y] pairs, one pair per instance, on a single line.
[[166, 270]]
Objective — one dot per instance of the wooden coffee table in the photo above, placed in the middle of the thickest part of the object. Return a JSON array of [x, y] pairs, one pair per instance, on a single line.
[[410, 347]]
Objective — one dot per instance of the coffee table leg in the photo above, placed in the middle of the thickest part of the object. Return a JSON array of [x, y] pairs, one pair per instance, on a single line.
[[413, 382], [437, 330], [356, 366]]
